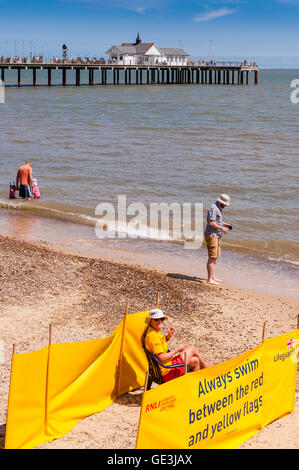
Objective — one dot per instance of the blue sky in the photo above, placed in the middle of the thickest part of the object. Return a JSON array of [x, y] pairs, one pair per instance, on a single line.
[[266, 30]]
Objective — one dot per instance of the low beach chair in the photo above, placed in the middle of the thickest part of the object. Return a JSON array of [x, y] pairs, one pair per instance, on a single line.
[[154, 365]]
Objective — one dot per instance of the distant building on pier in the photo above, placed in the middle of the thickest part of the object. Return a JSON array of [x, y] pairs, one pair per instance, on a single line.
[[140, 53]]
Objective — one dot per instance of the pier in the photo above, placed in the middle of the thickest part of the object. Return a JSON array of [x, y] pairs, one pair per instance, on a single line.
[[221, 73]]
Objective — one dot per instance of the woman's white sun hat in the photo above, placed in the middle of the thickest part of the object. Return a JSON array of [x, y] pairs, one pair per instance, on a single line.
[[154, 314], [224, 199]]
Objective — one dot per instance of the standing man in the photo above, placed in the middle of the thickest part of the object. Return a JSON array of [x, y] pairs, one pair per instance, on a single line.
[[213, 233], [24, 181]]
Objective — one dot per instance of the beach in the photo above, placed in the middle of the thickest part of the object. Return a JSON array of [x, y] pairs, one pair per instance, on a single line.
[[152, 145], [84, 297]]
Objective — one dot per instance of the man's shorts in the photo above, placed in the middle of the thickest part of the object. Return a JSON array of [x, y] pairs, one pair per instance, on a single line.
[[176, 371], [24, 191], [213, 245]]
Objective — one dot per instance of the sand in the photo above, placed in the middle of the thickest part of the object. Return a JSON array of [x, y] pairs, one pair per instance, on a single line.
[[84, 298]]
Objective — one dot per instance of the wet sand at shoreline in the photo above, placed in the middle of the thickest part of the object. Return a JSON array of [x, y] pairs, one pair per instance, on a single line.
[[254, 273], [84, 298]]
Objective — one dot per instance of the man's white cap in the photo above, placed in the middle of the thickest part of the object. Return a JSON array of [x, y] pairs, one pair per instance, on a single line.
[[224, 199], [154, 314]]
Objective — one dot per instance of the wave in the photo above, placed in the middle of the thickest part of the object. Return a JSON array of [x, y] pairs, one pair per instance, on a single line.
[[275, 251]]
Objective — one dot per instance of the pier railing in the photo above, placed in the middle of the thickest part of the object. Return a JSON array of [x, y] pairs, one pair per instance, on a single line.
[[102, 61]]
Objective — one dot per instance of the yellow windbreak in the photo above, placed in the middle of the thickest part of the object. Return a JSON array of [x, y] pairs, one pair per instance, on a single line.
[[224, 405], [54, 388]]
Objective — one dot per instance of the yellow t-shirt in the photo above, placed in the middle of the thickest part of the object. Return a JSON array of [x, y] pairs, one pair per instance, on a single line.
[[156, 343]]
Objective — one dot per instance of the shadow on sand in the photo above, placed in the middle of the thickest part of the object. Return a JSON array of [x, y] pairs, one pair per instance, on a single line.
[[185, 278], [131, 398]]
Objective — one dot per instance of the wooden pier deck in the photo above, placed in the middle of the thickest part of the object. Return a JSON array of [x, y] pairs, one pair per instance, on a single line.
[[204, 74]]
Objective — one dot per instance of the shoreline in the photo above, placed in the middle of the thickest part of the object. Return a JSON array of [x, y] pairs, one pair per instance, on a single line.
[[84, 297], [238, 269]]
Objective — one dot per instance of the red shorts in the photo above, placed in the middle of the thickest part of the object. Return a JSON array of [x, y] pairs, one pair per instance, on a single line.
[[176, 371]]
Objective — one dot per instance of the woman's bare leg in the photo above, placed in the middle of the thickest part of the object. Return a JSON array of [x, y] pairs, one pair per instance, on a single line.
[[192, 352]]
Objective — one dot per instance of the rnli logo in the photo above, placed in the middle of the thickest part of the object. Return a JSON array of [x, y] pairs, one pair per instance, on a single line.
[[165, 404], [291, 344], [291, 351], [152, 406]]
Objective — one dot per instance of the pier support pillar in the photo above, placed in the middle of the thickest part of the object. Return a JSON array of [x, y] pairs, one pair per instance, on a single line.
[[242, 78], [90, 77], [49, 77], [19, 77], [77, 77], [140, 77], [34, 77], [256, 77], [130, 77], [2, 75], [136, 76], [247, 77], [117, 76], [227, 77], [63, 77]]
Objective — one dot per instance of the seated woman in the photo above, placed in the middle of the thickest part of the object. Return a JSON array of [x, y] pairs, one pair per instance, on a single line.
[[156, 343]]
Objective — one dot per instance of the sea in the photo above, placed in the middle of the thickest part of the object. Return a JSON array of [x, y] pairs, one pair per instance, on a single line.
[[155, 144]]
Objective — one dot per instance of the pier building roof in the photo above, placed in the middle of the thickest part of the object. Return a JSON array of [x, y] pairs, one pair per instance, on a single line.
[[143, 48]]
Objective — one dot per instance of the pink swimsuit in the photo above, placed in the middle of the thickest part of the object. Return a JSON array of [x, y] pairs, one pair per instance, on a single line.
[[36, 192], [12, 192]]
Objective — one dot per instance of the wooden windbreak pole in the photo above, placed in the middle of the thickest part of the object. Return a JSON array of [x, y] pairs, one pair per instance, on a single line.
[[122, 348], [158, 300], [264, 330], [144, 390], [146, 381], [47, 379], [10, 382]]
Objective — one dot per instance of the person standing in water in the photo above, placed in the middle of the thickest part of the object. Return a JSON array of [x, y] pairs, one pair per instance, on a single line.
[[24, 181], [214, 230]]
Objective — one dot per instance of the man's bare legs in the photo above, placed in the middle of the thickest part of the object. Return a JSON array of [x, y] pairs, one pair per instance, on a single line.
[[211, 267]]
